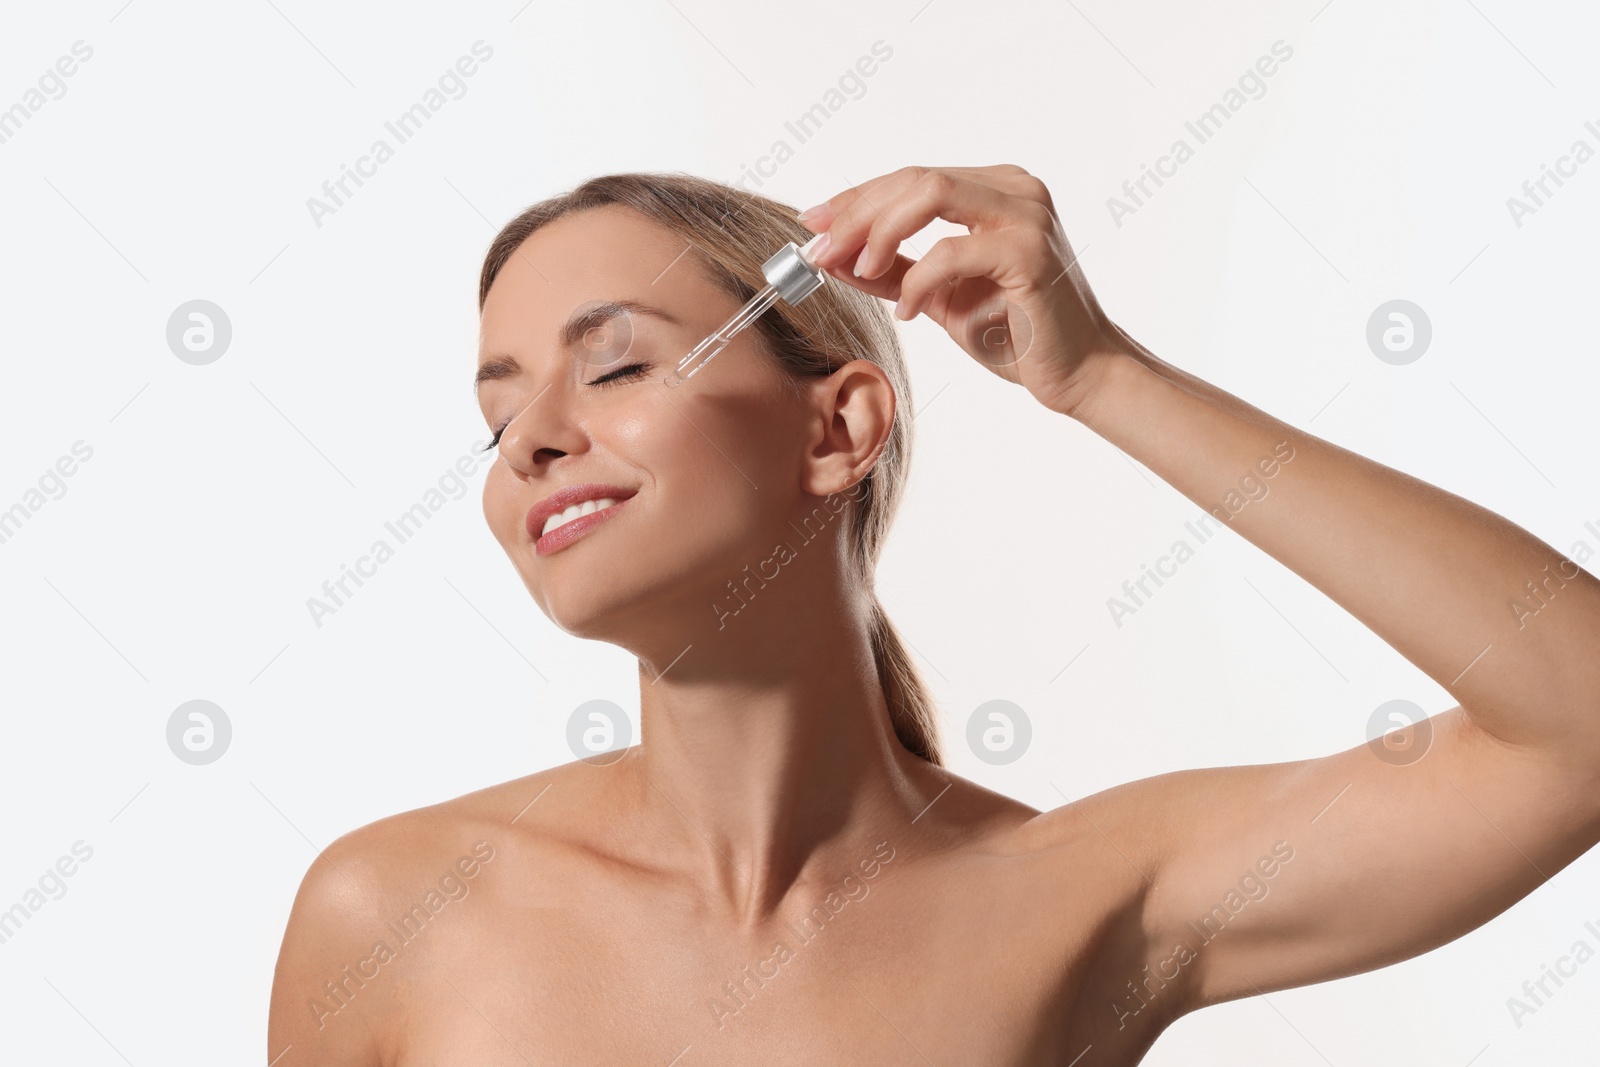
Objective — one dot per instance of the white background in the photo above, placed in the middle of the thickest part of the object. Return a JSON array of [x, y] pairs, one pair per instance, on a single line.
[[178, 562]]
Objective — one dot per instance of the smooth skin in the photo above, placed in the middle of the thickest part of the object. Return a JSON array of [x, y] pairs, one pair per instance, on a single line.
[[950, 925]]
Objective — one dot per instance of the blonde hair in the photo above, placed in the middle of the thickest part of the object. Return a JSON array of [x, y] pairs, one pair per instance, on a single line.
[[735, 231]]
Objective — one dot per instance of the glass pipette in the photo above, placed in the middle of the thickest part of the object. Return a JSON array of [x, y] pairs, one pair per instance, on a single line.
[[790, 276]]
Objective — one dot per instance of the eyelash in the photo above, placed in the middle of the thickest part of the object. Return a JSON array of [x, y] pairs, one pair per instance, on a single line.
[[632, 370]]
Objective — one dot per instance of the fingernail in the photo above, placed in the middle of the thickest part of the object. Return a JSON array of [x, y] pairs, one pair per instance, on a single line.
[[900, 308], [861, 261], [812, 212], [820, 249]]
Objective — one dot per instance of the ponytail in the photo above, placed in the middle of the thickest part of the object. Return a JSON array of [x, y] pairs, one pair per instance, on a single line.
[[911, 709]]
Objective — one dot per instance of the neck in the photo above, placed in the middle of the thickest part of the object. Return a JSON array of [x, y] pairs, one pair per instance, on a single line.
[[767, 752]]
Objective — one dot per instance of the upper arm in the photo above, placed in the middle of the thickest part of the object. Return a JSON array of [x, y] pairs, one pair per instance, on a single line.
[[315, 1018], [1271, 876]]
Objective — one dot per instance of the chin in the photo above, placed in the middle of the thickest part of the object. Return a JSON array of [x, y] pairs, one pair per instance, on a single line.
[[596, 599], [637, 599]]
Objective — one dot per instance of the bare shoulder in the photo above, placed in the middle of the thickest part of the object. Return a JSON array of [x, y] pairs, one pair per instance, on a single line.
[[337, 994], [1121, 838], [1115, 822], [1083, 862], [387, 860]]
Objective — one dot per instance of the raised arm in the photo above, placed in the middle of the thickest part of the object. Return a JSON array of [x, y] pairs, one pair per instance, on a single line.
[[1321, 867], [1392, 848]]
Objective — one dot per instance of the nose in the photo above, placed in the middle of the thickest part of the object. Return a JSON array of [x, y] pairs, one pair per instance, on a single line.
[[539, 432]]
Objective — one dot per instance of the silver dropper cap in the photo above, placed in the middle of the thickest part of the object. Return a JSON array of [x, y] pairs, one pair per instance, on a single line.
[[790, 272]]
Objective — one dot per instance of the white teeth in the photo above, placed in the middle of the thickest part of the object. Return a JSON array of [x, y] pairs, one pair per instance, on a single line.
[[588, 507]]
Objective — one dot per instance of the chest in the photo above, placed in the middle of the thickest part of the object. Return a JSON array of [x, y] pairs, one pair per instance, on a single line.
[[949, 970]]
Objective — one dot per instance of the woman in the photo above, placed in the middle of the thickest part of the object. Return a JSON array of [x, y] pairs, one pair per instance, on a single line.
[[783, 871]]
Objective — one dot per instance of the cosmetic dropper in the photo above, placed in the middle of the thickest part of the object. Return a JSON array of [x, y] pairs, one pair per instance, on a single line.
[[791, 277]]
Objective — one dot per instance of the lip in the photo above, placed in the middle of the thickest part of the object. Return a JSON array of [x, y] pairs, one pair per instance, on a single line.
[[561, 500]]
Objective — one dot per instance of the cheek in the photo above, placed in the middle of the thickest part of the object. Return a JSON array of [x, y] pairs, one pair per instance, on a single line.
[[691, 454], [731, 473], [641, 428], [666, 439], [500, 503]]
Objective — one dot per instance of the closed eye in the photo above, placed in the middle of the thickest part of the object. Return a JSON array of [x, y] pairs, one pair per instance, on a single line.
[[632, 370]]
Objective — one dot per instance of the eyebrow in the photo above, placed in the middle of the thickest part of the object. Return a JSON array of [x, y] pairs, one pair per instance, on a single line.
[[573, 331]]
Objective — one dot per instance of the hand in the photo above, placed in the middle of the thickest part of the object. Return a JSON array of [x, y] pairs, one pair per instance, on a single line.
[[1010, 293]]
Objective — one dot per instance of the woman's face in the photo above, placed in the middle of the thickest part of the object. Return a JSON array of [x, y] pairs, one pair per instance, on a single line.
[[715, 466]]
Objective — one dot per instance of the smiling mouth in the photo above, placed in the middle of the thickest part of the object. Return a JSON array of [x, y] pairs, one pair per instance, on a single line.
[[577, 511], [565, 527]]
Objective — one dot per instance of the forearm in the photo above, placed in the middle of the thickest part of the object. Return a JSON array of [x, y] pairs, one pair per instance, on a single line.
[[1501, 620]]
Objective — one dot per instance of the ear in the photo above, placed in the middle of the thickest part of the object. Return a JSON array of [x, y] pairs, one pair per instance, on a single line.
[[854, 409]]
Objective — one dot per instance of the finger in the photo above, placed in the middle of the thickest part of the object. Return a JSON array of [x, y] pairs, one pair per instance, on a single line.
[[1008, 177], [885, 286], [990, 255], [893, 212], [1016, 181], [824, 214], [870, 231], [1003, 176], [939, 195], [849, 204]]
